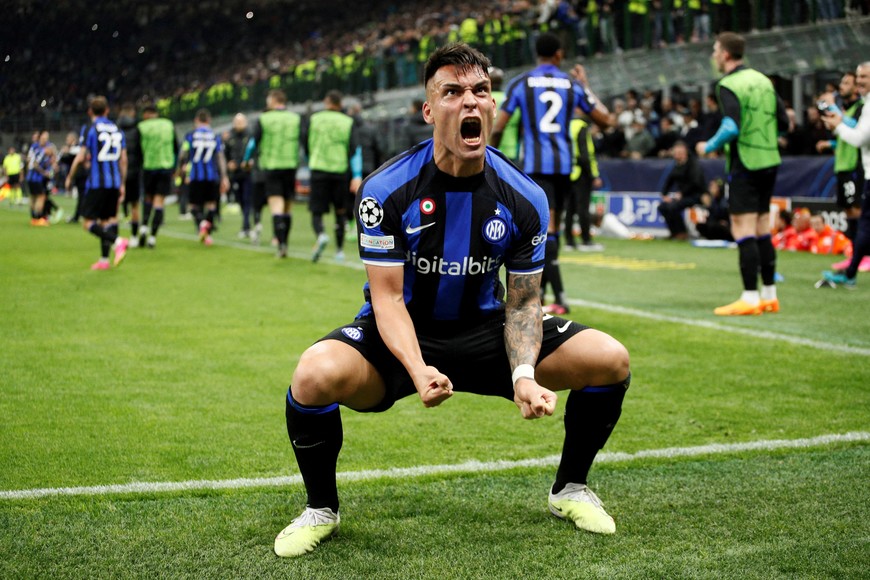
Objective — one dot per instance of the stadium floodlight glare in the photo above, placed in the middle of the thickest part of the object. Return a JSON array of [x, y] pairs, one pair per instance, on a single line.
[[249, 15]]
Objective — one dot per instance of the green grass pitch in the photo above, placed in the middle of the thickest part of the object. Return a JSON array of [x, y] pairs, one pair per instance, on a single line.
[[174, 368]]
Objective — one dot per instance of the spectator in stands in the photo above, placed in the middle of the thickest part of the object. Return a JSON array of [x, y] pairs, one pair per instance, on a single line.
[[828, 240], [714, 222], [641, 143], [784, 232], [687, 179], [805, 236], [668, 136]]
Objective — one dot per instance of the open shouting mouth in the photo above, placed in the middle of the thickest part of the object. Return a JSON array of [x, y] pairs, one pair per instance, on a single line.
[[471, 130]]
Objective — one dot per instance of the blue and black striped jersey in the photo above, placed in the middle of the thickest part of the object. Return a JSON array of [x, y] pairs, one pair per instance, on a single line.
[[104, 142], [546, 97], [203, 145], [451, 235], [37, 157]]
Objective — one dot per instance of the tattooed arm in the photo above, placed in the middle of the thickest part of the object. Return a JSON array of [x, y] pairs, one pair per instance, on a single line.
[[522, 338]]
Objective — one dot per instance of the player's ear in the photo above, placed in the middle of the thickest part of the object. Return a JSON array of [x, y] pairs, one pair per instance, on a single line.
[[427, 113]]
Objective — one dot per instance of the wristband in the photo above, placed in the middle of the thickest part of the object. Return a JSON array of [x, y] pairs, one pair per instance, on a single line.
[[523, 372]]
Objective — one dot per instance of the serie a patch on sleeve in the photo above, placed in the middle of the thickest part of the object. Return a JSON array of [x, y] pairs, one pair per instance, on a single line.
[[377, 242]]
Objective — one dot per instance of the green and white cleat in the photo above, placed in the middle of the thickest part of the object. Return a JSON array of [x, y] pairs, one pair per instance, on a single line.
[[578, 503], [306, 532]]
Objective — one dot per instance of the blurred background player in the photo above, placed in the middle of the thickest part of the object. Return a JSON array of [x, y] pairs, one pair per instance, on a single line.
[[510, 137], [38, 173], [847, 158], [584, 178], [127, 122], [105, 146], [335, 160], [159, 158], [546, 98], [204, 166], [858, 136], [753, 114], [12, 166], [240, 174], [276, 140]]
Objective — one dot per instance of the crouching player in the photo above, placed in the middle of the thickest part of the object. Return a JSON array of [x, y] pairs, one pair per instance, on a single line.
[[436, 224]]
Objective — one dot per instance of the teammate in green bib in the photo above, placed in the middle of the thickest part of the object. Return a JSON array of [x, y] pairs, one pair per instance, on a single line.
[[159, 145], [276, 139], [753, 114], [334, 154]]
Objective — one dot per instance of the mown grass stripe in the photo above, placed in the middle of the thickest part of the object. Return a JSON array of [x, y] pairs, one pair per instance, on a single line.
[[427, 470]]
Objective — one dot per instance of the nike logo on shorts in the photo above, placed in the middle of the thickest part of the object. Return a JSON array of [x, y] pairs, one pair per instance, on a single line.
[[563, 328], [410, 230]]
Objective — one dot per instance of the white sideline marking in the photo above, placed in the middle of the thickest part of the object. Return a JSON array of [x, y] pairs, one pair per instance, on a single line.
[[764, 334], [424, 470]]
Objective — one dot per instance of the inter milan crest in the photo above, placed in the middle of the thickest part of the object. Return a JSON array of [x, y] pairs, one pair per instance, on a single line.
[[352, 332], [427, 206], [494, 229], [370, 212]]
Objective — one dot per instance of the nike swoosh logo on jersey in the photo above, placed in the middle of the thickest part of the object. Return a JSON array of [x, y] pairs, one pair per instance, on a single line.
[[563, 328], [410, 230]]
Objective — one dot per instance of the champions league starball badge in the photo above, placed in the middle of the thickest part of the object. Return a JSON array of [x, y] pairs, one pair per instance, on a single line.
[[370, 212]]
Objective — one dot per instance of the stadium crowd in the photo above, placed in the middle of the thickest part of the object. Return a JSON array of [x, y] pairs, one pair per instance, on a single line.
[[167, 50]]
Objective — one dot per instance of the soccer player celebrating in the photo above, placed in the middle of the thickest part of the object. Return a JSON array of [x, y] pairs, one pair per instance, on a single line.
[[547, 97], [203, 150], [752, 114], [104, 144], [436, 224]]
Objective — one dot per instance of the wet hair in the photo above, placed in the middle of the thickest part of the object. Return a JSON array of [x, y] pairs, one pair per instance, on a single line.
[[732, 43], [457, 54]]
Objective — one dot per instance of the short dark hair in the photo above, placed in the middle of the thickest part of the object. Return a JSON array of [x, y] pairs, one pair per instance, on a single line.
[[334, 97], [149, 108], [732, 43], [203, 116], [457, 54], [547, 45], [99, 105]]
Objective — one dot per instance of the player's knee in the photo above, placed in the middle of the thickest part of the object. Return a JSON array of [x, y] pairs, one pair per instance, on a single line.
[[316, 377], [617, 357]]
